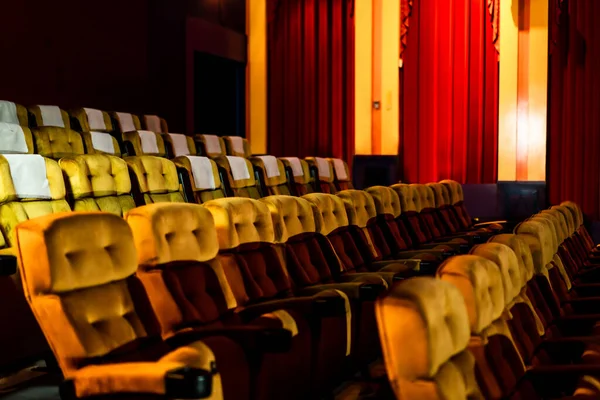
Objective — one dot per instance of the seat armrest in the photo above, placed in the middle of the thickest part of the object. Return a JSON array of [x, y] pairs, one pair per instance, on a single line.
[[551, 381], [266, 340], [8, 264], [171, 379], [354, 290], [323, 304]]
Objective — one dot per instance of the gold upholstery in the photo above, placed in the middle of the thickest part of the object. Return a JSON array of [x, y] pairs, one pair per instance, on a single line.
[[89, 144], [232, 146], [324, 168], [291, 216], [136, 141], [575, 211], [10, 129], [455, 190], [210, 189], [191, 146], [21, 113], [98, 183], [521, 250], [507, 262], [126, 121], [341, 169], [386, 200], [303, 178], [81, 116], [209, 151], [243, 187], [276, 184], [410, 200], [424, 331], [157, 178], [241, 220], [36, 111], [329, 211], [360, 207], [155, 124], [480, 282], [86, 311], [426, 196], [56, 142]]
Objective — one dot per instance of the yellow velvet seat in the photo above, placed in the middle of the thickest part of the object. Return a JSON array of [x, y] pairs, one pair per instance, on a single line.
[[46, 116], [202, 182], [240, 180], [125, 122], [96, 128], [341, 172], [179, 144], [323, 173], [271, 175], [13, 113], [98, 183], [237, 146], [149, 143], [78, 277], [154, 123], [298, 173], [157, 179], [211, 146]]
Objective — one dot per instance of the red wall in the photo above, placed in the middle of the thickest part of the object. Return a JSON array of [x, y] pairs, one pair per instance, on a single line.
[[75, 53]]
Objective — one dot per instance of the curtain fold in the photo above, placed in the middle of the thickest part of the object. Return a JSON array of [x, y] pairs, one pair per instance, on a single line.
[[311, 78], [449, 93], [573, 163]]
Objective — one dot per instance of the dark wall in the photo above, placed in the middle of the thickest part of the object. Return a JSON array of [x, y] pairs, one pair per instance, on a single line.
[[73, 52]]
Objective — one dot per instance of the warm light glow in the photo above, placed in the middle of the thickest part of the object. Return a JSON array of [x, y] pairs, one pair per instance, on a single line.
[[256, 75], [363, 58]]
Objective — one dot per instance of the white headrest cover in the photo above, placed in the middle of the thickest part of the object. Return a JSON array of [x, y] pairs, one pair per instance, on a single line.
[[148, 139], [126, 122], [202, 172], [296, 165], [271, 167], [153, 123], [212, 144], [103, 141], [8, 112], [323, 166], [51, 116], [12, 139], [340, 169], [237, 143], [95, 119], [180, 145], [239, 168], [28, 172]]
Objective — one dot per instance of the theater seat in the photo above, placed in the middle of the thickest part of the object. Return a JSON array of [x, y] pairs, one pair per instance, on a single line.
[[211, 146], [257, 273], [13, 113], [98, 132], [271, 175], [52, 135], [298, 173], [424, 330], [202, 180], [125, 122], [144, 143], [91, 120], [322, 172], [343, 180], [156, 178], [179, 145], [88, 303], [188, 288], [154, 123], [237, 146], [240, 180], [49, 116], [98, 183]]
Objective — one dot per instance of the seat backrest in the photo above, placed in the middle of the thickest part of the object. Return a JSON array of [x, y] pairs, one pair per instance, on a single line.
[[14, 138], [237, 146], [98, 183], [157, 179], [240, 177], [211, 145], [180, 144], [154, 123], [145, 143], [310, 258], [204, 181], [299, 174], [101, 143], [387, 205], [13, 113], [343, 180], [91, 120], [271, 173], [177, 247], [247, 249], [457, 198], [324, 174], [125, 122], [53, 135], [80, 290], [410, 205], [424, 330], [31, 186]]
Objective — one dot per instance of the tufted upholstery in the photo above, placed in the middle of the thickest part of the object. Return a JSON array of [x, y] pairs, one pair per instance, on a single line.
[[360, 207], [480, 282], [56, 142], [386, 200], [38, 116], [135, 139], [291, 216], [125, 122], [98, 183], [212, 145], [277, 183], [507, 262], [208, 190], [81, 116], [539, 240], [521, 250], [155, 124], [237, 146], [424, 330], [189, 142], [410, 199], [245, 187], [410, 204], [331, 212], [241, 220], [157, 178], [343, 180], [14, 210], [87, 313], [456, 196], [324, 173], [300, 173]]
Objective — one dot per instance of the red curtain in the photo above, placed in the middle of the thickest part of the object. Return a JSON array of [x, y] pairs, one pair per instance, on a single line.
[[311, 78], [574, 104], [449, 93]]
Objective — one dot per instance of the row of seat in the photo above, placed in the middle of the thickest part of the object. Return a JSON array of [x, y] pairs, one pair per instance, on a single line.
[[516, 318]]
